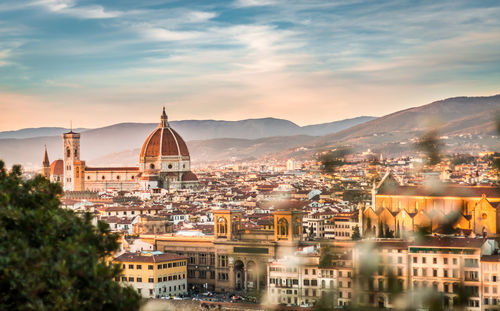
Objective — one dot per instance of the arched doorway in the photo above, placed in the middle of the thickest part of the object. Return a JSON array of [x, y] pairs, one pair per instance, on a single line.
[[239, 275]]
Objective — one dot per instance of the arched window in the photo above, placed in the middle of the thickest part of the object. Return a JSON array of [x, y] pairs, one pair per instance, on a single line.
[[118, 177], [103, 177], [68, 152], [152, 166], [222, 225], [282, 227]]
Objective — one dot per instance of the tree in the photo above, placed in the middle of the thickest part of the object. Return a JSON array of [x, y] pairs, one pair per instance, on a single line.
[[50, 258], [355, 233], [431, 145], [331, 160]]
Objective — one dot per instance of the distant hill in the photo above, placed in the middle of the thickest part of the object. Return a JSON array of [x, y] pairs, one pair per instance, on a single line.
[[333, 127], [213, 150], [100, 142], [36, 132], [450, 117]]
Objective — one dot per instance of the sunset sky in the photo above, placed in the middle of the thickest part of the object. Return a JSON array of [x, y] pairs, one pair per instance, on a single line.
[[103, 62]]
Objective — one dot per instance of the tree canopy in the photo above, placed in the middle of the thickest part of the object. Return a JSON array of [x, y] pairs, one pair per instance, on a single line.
[[51, 258]]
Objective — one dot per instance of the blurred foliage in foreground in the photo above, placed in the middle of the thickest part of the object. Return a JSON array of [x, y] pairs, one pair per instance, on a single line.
[[332, 160], [50, 258]]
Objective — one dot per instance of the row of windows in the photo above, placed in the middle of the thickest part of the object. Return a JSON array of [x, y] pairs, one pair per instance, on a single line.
[[159, 266], [445, 260], [165, 278], [223, 276], [435, 273], [283, 269], [151, 291], [202, 274], [103, 177], [307, 292], [141, 212]]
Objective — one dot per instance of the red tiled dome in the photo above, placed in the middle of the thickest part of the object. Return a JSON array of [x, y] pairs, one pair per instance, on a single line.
[[164, 141], [189, 176], [57, 168]]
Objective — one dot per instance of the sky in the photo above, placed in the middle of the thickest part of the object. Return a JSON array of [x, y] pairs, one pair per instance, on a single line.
[[98, 63]]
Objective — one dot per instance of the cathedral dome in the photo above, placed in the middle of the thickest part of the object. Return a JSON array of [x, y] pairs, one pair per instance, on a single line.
[[189, 176], [163, 141], [57, 168]]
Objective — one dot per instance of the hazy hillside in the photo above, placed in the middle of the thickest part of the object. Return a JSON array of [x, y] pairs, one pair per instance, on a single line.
[[453, 116], [36, 132], [211, 140], [333, 127], [100, 142], [220, 149]]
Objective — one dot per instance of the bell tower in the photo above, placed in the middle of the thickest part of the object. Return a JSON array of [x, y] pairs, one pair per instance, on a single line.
[[46, 165], [71, 151]]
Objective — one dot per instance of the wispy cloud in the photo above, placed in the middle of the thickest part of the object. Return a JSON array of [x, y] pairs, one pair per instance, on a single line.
[[71, 8], [252, 3], [200, 16], [294, 59], [162, 34]]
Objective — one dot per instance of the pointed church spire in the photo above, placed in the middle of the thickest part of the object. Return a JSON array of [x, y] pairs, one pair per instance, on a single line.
[[46, 158], [164, 119]]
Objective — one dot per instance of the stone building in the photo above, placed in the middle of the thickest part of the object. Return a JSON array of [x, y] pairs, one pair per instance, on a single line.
[[164, 162], [400, 209], [234, 258]]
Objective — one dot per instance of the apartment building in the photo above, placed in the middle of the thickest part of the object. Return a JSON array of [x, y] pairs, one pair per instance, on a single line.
[[294, 280], [446, 264], [490, 272], [381, 268], [154, 274]]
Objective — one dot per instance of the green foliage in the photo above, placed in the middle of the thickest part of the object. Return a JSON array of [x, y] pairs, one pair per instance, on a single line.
[[431, 145], [51, 259], [331, 160], [355, 195], [355, 233], [326, 257]]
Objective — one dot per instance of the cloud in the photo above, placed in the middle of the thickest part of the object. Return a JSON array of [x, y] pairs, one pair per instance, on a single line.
[[162, 34], [3, 56], [69, 7], [251, 3], [200, 16]]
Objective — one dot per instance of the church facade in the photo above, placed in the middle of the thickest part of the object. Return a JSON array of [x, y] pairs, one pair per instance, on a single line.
[[164, 162], [438, 207]]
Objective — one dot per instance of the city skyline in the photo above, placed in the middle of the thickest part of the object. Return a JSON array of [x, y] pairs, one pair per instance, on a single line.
[[308, 62]]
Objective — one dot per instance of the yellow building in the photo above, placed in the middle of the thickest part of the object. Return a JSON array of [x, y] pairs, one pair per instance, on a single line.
[[399, 208], [154, 274]]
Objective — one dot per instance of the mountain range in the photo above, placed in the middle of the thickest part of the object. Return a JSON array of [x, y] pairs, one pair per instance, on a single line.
[[466, 124], [207, 139]]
